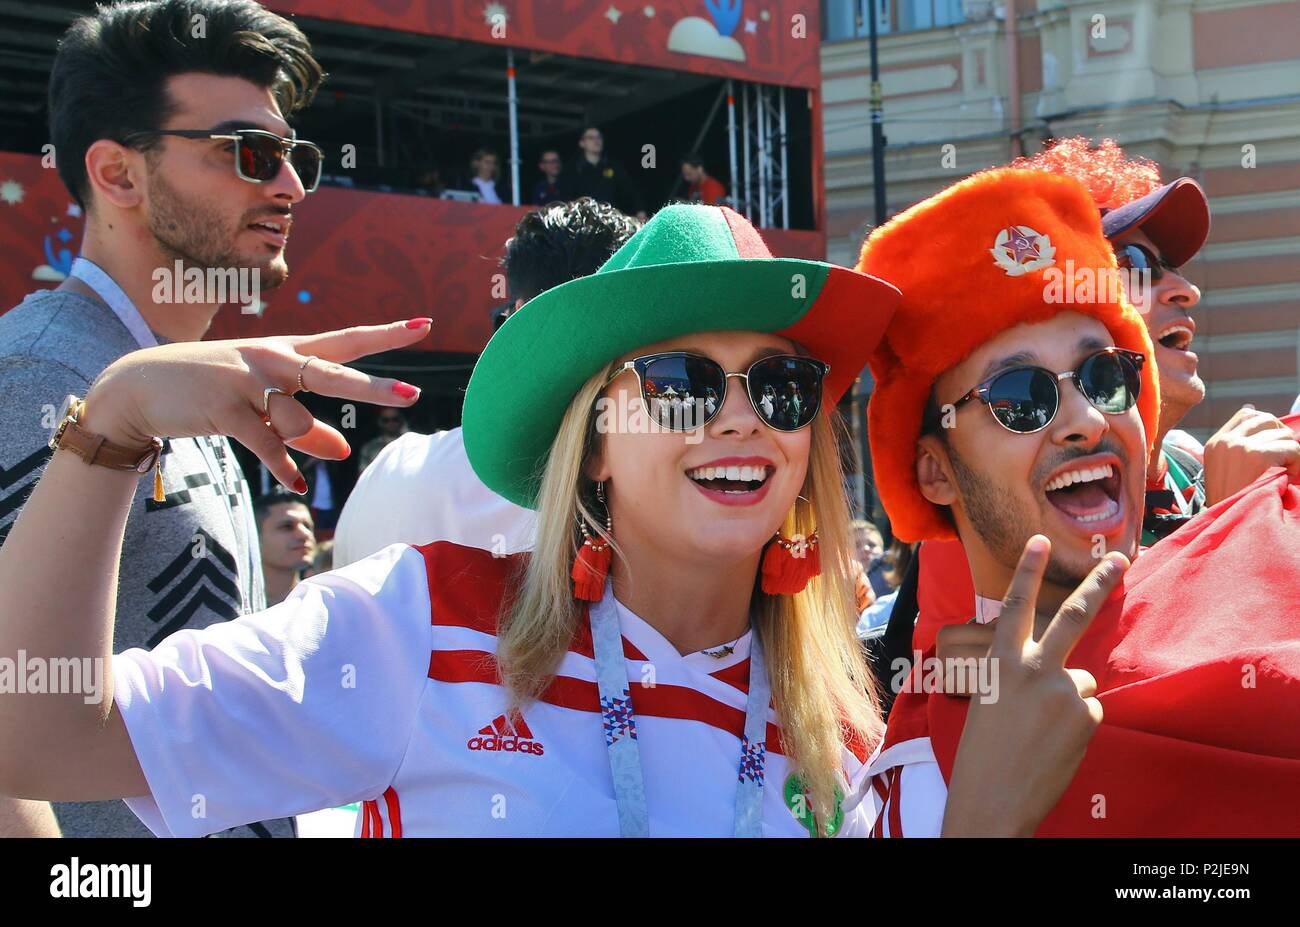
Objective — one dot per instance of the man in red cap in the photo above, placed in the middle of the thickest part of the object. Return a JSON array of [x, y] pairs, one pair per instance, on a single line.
[[999, 415], [1155, 229]]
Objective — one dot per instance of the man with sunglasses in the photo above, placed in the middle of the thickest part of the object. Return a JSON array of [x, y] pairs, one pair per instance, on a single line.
[[1000, 416], [1154, 230], [176, 147]]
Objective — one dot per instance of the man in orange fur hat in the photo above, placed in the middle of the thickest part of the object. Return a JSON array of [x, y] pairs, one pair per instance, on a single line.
[[1005, 408], [1154, 229]]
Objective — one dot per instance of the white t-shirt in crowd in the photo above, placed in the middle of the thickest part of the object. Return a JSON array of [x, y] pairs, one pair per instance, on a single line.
[[421, 488], [376, 683]]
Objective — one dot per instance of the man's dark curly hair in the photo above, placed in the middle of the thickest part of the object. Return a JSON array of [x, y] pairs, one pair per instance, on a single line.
[[109, 76], [561, 242]]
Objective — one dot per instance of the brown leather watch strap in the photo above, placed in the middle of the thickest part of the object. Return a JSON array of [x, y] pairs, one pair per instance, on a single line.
[[94, 449]]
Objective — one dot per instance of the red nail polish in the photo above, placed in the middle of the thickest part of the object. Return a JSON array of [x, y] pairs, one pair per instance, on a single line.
[[300, 485], [418, 323], [405, 390]]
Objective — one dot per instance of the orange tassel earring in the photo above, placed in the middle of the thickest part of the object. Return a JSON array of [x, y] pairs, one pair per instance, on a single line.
[[788, 564], [591, 566]]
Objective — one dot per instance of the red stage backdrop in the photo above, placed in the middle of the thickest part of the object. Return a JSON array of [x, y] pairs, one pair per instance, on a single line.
[[355, 258], [767, 41]]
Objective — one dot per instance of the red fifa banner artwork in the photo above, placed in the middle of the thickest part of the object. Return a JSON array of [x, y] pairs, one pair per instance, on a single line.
[[355, 258], [775, 42]]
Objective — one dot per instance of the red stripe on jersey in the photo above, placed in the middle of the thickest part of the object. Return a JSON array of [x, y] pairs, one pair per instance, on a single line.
[[394, 812], [583, 646], [736, 675], [475, 600], [374, 826], [859, 748], [659, 701], [365, 819], [896, 803], [466, 588]]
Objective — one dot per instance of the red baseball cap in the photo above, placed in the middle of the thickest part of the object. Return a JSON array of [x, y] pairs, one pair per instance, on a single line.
[[1176, 217]]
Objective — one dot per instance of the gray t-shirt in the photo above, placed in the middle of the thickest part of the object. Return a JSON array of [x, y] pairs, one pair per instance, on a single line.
[[187, 562]]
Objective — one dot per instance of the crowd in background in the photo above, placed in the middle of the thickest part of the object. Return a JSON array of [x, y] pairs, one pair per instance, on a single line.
[[559, 177]]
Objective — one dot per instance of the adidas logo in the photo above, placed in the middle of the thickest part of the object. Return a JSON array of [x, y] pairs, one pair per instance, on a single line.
[[504, 737]]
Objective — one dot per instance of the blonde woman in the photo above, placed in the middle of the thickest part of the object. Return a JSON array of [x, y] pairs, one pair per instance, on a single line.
[[676, 657]]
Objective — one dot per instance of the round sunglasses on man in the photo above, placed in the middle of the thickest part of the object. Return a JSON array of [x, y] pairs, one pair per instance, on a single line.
[[259, 154], [1025, 399]]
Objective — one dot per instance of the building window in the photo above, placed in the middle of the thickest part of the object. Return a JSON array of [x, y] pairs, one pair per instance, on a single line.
[[927, 14], [847, 19]]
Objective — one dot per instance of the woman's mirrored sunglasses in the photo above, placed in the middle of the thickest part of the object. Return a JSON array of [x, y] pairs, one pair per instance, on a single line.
[[683, 391]]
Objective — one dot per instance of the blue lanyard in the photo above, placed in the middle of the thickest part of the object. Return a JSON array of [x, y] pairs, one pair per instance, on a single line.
[[619, 723]]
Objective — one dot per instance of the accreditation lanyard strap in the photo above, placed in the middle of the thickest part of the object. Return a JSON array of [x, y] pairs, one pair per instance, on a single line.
[[106, 288], [619, 723]]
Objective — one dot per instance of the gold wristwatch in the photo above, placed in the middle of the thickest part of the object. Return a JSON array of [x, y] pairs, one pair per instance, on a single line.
[[95, 449]]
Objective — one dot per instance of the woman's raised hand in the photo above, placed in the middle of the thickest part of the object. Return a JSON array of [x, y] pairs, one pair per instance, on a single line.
[[217, 387], [1019, 751]]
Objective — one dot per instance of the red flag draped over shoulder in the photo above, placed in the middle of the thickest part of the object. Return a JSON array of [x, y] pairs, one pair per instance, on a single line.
[[1197, 661]]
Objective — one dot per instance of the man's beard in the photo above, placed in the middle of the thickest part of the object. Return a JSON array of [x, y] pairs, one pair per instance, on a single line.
[[1004, 523], [189, 231]]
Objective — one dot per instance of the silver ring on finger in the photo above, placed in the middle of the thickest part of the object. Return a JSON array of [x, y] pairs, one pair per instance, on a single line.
[[301, 368], [266, 399]]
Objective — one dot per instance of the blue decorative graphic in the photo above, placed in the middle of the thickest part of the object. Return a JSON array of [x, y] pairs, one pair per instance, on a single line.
[[753, 757], [725, 14], [618, 718], [63, 262], [304, 296]]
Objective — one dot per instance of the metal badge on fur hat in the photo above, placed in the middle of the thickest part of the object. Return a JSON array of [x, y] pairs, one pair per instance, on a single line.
[[1018, 249], [973, 261]]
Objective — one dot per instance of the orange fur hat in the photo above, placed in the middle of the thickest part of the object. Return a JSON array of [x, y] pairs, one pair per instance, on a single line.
[[971, 262]]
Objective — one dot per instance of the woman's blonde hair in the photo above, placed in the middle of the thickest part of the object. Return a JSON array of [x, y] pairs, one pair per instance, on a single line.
[[822, 688]]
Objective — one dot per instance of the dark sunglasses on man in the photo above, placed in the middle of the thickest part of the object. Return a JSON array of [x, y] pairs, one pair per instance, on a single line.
[[258, 153], [683, 391], [1139, 257], [1025, 399]]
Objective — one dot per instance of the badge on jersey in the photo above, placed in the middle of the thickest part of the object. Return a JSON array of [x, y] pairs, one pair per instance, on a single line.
[[796, 799]]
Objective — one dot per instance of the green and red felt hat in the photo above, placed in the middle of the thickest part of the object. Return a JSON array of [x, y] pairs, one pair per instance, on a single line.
[[692, 268]]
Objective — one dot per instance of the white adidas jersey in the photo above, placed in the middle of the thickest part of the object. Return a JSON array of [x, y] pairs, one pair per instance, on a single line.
[[359, 688]]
